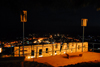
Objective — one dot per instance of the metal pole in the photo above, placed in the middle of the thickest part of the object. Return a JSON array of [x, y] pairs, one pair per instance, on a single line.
[[11, 48], [83, 38], [34, 51], [31, 44], [93, 47], [83, 33], [52, 49], [19, 51], [23, 38], [76, 47]]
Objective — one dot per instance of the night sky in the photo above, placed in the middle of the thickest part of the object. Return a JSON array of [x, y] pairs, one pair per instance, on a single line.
[[50, 16]]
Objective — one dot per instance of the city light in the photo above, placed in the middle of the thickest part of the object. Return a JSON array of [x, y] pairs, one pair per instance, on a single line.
[[0, 50], [28, 57], [35, 41], [40, 56], [55, 53], [32, 56], [64, 52]]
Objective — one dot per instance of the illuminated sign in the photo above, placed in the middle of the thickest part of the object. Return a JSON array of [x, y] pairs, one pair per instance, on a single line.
[[23, 16], [84, 22], [35, 51]]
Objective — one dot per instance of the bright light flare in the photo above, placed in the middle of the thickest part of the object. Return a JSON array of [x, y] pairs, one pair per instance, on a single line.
[[32, 56], [0, 50], [28, 57], [64, 52], [40, 56], [55, 53], [35, 41]]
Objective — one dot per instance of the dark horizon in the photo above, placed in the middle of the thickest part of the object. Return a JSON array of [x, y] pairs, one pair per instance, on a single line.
[[72, 31], [49, 17]]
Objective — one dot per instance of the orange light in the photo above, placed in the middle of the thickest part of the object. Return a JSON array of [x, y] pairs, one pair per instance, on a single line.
[[0, 50], [64, 52], [24, 17], [28, 57], [32, 56], [35, 41], [55, 53], [84, 22], [40, 56]]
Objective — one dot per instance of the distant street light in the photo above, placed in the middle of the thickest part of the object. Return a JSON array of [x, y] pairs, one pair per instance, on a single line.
[[23, 19], [84, 24]]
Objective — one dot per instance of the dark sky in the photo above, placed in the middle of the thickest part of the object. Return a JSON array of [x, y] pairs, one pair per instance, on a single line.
[[49, 16]]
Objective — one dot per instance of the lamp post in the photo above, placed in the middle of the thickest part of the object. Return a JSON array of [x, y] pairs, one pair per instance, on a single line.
[[23, 19], [84, 24]]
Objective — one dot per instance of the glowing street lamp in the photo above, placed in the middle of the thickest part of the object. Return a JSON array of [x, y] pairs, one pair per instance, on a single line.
[[23, 19], [0, 49], [84, 24]]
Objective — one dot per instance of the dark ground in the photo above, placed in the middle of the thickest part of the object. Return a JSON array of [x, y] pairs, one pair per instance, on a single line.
[[36, 64], [85, 64], [26, 64]]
